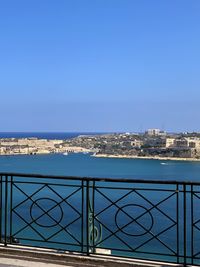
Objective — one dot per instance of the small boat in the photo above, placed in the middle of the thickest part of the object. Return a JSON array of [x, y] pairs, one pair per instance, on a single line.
[[163, 163], [65, 154]]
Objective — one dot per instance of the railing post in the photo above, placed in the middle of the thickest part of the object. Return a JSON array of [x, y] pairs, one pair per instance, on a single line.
[[10, 207], [6, 210], [192, 224], [177, 220], [93, 226], [1, 210], [184, 225], [87, 216], [82, 219]]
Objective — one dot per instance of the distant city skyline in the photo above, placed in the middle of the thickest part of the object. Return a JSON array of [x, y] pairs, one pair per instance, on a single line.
[[99, 66]]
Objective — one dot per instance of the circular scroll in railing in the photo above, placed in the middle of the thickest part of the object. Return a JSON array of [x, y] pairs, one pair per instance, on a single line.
[[46, 212], [134, 220]]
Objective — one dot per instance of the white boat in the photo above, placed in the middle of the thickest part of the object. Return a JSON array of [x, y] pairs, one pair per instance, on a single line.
[[65, 154]]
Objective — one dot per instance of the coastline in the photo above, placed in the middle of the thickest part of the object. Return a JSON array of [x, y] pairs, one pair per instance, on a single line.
[[145, 157]]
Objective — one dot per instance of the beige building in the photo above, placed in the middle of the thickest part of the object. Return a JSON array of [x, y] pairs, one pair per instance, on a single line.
[[137, 143], [190, 142], [170, 142], [156, 132], [193, 142]]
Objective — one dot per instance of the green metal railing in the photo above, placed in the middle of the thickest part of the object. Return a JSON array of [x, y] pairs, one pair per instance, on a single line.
[[146, 219]]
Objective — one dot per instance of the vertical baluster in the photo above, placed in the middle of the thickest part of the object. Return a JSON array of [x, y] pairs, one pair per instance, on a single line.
[[6, 210], [192, 224], [92, 211], [177, 221], [87, 216], [1, 217], [184, 224], [11, 202], [82, 216]]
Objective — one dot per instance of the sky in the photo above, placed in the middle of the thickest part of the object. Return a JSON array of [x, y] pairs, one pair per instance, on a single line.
[[99, 65]]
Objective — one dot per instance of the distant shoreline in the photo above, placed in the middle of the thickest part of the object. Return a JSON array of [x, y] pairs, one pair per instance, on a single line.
[[145, 157]]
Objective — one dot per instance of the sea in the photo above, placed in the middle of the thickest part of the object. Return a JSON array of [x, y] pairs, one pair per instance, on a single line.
[[89, 166], [130, 219], [45, 135]]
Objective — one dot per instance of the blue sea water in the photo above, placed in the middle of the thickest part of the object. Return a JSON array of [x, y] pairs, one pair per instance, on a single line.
[[89, 166], [46, 135]]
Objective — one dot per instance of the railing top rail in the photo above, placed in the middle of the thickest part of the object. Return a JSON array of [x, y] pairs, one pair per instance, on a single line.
[[98, 179]]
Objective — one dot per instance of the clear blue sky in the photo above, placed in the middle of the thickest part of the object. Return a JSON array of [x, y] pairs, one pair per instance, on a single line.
[[99, 65]]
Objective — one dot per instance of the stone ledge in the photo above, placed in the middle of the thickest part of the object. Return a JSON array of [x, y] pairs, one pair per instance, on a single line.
[[58, 258]]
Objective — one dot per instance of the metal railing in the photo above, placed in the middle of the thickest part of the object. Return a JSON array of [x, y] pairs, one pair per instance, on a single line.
[[154, 220]]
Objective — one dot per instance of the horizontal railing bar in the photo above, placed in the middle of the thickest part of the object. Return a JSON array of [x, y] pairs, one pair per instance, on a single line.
[[48, 248], [104, 187], [124, 180], [90, 186], [48, 242], [137, 188], [28, 175], [49, 184], [98, 187]]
